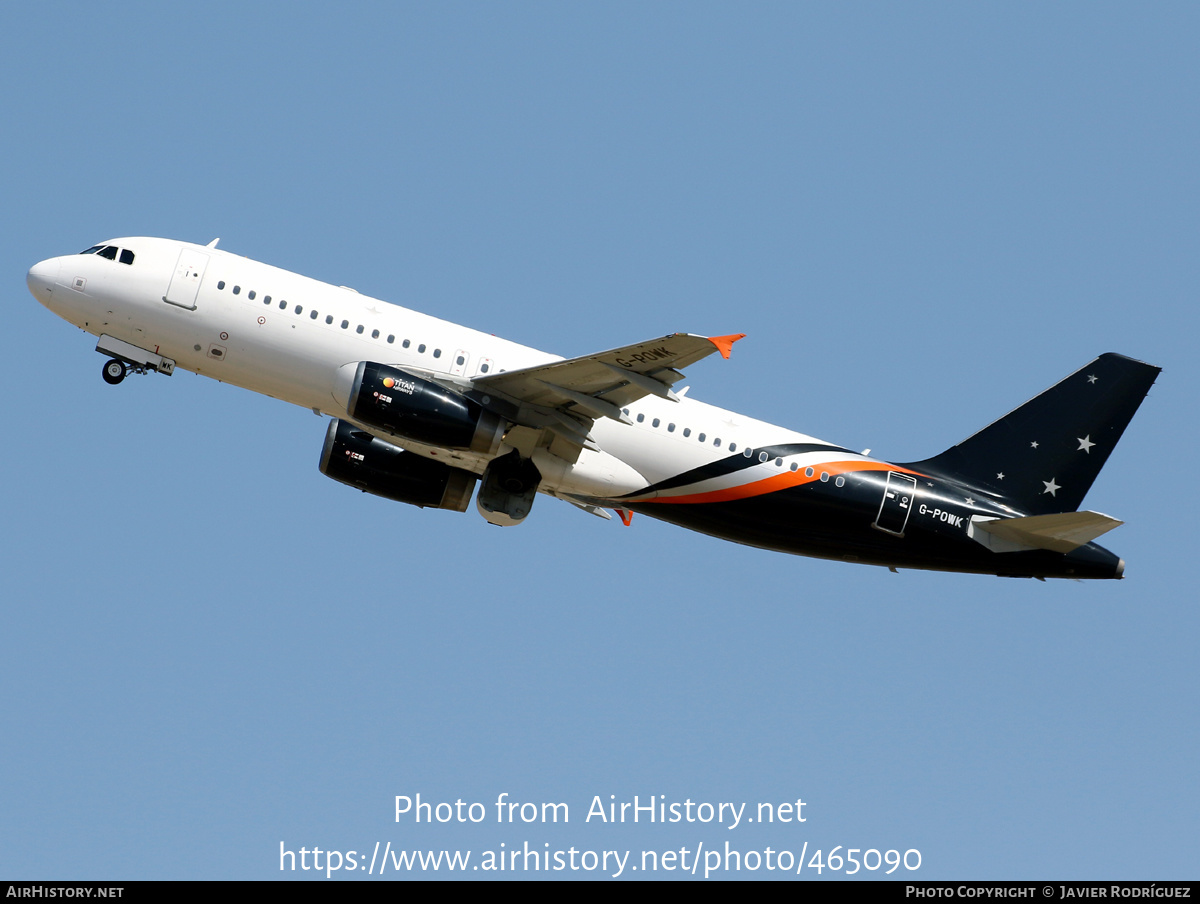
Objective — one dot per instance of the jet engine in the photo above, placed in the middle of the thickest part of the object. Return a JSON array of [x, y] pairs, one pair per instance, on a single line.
[[359, 460], [405, 405]]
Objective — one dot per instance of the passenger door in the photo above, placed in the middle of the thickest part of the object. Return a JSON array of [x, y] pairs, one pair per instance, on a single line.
[[185, 281], [897, 503]]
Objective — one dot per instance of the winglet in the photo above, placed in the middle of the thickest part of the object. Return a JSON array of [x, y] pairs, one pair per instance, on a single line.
[[626, 516], [724, 344]]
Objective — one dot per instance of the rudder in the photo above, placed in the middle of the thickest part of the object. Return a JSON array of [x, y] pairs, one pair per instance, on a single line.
[[1045, 454]]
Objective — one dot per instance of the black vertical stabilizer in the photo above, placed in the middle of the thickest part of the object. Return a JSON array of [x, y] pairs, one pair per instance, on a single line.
[[1044, 455]]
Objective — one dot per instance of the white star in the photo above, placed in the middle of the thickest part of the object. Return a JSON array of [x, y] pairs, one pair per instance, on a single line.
[[1033, 445], [970, 501], [1085, 444], [1000, 476], [1051, 487], [1092, 378]]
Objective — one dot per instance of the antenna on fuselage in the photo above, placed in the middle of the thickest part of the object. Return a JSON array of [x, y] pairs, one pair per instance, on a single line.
[[213, 243]]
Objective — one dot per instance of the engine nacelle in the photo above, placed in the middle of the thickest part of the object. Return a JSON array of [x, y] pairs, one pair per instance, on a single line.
[[359, 460], [404, 405]]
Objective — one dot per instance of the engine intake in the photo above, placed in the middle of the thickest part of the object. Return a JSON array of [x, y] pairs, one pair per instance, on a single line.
[[357, 459], [408, 406]]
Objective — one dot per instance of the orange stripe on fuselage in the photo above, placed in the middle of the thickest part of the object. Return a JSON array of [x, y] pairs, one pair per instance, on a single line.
[[780, 482]]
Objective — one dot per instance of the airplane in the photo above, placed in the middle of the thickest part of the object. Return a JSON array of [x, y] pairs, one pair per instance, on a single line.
[[423, 410]]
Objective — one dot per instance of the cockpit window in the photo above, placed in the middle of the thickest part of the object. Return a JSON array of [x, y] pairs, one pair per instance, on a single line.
[[110, 252]]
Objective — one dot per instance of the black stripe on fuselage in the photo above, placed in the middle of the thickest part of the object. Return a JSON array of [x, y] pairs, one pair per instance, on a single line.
[[735, 462], [811, 520]]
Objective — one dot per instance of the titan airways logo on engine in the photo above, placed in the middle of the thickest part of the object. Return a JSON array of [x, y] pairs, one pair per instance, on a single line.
[[652, 354], [399, 385]]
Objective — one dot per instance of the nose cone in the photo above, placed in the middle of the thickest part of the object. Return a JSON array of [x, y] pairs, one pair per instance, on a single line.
[[42, 277]]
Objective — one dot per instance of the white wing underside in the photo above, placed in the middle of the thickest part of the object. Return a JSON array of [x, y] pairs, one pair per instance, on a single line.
[[567, 396]]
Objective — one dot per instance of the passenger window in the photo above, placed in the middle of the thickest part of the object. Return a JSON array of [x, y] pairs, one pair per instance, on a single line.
[[374, 334], [283, 305], [687, 431], [483, 368], [437, 352], [749, 453], [421, 349], [701, 438], [391, 339], [221, 284], [329, 318], [299, 309], [717, 442], [808, 472], [460, 360], [267, 299], [237, 290], [126, 256], [641, 417], [779, 462], [313, 314], [670, 428], [405, 344], [108, 251], [655, 422], [359, 330], [345, 324], [763, 456], [795, 467], [733, 447], [251, 295]]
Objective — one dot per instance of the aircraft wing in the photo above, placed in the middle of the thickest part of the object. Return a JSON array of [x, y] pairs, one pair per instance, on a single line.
[[566, 396]]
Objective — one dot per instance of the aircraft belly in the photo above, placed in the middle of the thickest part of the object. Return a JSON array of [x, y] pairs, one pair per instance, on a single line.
[[810, 521], [594, 474]]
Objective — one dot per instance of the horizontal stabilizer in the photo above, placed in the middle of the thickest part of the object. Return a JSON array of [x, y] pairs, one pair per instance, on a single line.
[[1060, 532]]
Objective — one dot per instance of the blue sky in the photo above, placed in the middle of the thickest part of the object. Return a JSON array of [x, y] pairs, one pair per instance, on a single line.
[[920, 214]]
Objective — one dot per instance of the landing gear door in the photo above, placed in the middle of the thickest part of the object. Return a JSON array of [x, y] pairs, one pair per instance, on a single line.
[[185, 281], [897, 503]]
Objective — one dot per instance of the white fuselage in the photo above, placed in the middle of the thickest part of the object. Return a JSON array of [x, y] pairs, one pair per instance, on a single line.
[[603, 430], [285, 335]]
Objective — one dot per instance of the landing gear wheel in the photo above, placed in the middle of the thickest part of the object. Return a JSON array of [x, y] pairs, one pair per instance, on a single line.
[[114, 372]]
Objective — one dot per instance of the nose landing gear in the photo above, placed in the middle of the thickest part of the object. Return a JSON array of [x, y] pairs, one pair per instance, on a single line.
[[114, 371], [126, 358]]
